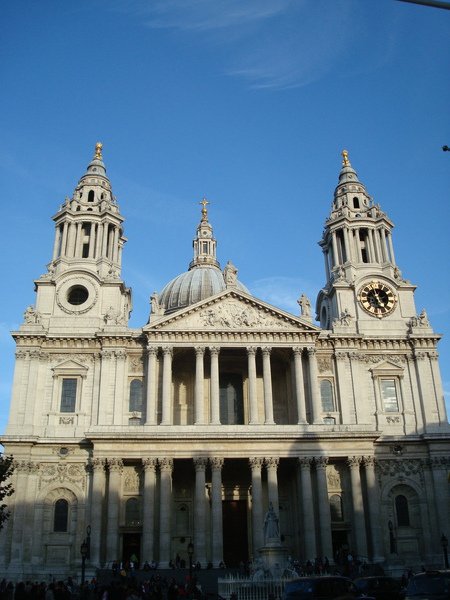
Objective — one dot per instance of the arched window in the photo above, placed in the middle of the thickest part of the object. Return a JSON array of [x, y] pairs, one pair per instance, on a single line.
[[355, 202], [326, 395], [91, 196], [402, 510], [336, 508], [135, 396], [61, 515], [133, 512]]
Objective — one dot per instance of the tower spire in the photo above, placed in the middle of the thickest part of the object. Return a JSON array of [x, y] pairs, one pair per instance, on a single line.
[[204, 243]]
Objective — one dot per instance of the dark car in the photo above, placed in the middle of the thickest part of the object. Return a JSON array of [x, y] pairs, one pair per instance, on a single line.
[[430, 585], [380, 587], [321, 588]]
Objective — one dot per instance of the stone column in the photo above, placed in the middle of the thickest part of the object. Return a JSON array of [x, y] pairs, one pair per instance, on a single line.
[[440, 467], [216, 501], [215, 392], [63, 251], [335, 249], [79, 240], [167, 386], [105, 239], [437, 381], [326, 545], [309, 527], [373, 496], [299, 386], [152, 353], [115, 248], [115, 466], [199, 407], [257, 508], [345, 390], [166, 468], [92, 238], [105, 410], [121, 357], [359, 527], [272, 482], [391, 248], [252, 389], [314, 386], [97, 501], [21, 470], [267, 379], [98, 240], [148, 519], [200, 510], [348, 247]]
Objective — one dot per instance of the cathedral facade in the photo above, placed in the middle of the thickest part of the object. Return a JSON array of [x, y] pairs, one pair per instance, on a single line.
[[186, 430]]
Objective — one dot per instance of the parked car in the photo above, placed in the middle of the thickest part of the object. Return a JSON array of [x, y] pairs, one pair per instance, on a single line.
[[430, 585], [380, 587], [321, 588]]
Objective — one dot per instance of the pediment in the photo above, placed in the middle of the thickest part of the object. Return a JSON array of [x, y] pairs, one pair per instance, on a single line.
[[386, 367], [69, 367], [232, 310]]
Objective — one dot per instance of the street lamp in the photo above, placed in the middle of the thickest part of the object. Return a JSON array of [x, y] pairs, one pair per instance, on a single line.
[[84, 549], [190, 551], [444, 544]]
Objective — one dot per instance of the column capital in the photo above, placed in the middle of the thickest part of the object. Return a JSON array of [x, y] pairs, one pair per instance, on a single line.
[[165, 464], [266, 350], [214, 350], [167, 350], [200, 463], [272, 462], [305, 462], [98, 464], [297, 351], [354, 462], [115, 465], [149, 464], [321, 462], [152, 350], [251, 350], [369, 461], [311, 350], [255, 462], [199, 350], [216, 463]]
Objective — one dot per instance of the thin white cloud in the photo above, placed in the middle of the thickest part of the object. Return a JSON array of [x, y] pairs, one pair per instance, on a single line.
[[273, 44]]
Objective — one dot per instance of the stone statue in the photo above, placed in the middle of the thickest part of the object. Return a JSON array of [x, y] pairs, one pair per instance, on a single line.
[[423, 319], [271, 525], [230, 274], [155, 306], [305, 305], [31, 316]]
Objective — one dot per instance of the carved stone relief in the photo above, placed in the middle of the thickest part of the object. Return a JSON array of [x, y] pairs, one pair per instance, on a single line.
[[233, 314], [62, 473]]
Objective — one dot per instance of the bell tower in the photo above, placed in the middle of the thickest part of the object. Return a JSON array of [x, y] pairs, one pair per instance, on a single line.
[[83, 289], [364, 286]]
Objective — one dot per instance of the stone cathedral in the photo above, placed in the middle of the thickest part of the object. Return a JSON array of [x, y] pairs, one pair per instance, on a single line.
[[185, 430]]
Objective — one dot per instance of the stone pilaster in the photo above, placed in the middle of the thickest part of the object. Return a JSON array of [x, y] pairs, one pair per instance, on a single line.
[[152, 353], [252, 388], [373, 496], [267, 379], [299, 386], [199, 406], [167, 386], [359, 528], [200, 510], [215, 392], [148, 521], [257, 511], [165, 501], [115, 466], [324, 508], [97, 502], [216, 501], [314, 386], [307, 503]]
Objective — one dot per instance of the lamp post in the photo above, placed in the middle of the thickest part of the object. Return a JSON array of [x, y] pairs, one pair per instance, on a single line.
[[85, 551], [444, 544], [190, 551]]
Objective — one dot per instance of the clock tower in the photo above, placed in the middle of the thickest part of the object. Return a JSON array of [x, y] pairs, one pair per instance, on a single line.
[[365, 289]]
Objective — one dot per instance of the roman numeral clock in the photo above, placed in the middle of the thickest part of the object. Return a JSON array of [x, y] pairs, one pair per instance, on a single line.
[[377, 299]]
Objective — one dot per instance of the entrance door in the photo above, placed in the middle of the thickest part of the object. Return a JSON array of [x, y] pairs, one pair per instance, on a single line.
[[131, 545], [235, 541]]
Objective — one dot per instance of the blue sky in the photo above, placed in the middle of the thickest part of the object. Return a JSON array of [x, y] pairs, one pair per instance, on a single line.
[[246, 102]]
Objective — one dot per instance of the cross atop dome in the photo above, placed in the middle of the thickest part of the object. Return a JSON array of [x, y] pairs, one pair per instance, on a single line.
[[204, 202], [345, 161], [98, 151]]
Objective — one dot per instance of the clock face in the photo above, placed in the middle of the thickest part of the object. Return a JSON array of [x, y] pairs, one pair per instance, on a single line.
[[377, 299]]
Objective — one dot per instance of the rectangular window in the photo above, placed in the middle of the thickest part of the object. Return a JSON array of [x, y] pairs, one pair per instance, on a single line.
[[389, 395], [68, 395]]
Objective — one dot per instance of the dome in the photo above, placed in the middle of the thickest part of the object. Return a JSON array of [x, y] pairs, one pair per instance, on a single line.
[[197, 284]]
